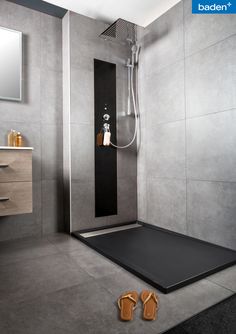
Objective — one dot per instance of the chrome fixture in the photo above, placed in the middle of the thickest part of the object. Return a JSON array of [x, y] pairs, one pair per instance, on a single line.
[[125, 32]]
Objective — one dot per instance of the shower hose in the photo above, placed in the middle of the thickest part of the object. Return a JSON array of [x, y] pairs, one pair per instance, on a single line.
[[135, 112]]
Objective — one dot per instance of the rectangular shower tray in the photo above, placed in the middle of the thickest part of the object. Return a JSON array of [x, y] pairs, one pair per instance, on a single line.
[[165, 259]]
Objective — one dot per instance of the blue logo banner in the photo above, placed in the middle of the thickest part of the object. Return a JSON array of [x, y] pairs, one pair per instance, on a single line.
[[213, 7]]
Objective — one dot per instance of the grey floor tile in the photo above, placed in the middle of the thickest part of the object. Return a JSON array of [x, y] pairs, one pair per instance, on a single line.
[[22, 281], [225, 278], [116, 284], [174, 307], [94, 264], [57, 293], [25, 249], [186, 302], [86, 308], [66, 243]]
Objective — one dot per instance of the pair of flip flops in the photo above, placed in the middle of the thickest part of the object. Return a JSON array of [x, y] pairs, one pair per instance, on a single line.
[[128, 302]]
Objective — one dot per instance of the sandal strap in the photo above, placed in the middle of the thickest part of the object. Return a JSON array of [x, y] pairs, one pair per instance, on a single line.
[[151, 295], [128, 296]]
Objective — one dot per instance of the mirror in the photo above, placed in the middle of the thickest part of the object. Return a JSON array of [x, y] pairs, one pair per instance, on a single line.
[[10, 64]]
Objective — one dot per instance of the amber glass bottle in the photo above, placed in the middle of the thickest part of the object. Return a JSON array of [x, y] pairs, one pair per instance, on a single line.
[[19, 140]]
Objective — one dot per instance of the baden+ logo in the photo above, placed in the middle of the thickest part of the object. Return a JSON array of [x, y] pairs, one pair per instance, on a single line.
[[213, 7]]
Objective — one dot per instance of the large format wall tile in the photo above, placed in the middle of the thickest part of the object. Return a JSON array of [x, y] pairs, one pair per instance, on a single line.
[[85, 44], [142, 198], [211, 78], [51, 97], [202, 31], [166, 203], [83, 206], [52, 155], [203, 90], [127, 162], [82, 152], [164, 93], [82, 96], [211, 150], [166, 150], [52, 206], [211, 211], [163, 42], [126, 200], [51, 42]]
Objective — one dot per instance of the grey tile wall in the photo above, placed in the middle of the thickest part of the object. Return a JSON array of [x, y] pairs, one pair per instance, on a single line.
[[163, 41], [186, 162], [211, 211], [166, 201], [85, 45], [38, 117], [210, 79]]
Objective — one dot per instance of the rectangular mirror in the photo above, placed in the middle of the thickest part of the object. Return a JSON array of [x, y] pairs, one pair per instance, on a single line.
[[10, 64]]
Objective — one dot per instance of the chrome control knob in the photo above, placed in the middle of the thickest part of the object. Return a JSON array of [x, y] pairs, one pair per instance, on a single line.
[[106, 117]]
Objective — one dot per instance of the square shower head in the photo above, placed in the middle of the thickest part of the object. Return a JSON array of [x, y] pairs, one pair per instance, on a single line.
[[121, 31]]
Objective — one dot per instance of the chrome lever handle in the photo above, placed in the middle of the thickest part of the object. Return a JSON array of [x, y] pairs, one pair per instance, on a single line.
[[4, 199]]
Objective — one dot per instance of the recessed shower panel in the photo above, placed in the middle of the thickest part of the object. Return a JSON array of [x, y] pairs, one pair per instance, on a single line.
[[105, 156]]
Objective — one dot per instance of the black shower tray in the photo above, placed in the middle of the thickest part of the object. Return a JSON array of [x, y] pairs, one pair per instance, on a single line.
[[165, 259]]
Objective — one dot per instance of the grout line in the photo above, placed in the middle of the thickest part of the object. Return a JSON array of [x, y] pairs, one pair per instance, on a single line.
[[220, 285], [188, 179], [195, 117], [209, 46], [211, 113]]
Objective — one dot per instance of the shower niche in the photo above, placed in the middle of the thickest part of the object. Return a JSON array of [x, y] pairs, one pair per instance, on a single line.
[[105, 156]]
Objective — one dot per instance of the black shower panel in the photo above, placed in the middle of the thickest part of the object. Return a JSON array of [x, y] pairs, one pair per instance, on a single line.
[[105, 156]]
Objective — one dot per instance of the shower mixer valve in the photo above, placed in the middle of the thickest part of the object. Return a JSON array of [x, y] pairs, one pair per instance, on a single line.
[[106, 117]]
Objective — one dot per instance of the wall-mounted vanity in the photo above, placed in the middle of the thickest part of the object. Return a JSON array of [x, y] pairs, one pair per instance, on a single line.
[[15, 180]]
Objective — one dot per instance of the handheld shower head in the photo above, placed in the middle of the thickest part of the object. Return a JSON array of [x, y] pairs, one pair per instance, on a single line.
[[135, 53]]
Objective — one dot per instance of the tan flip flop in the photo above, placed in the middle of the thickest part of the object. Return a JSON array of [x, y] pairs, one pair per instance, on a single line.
[[150, 304], [127, 303]]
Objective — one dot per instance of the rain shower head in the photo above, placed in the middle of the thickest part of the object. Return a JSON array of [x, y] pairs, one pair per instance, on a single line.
[[121, 31]]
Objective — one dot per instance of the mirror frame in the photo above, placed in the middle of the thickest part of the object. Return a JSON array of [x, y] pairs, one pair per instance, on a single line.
[[21, 66]]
